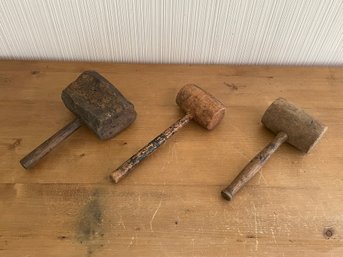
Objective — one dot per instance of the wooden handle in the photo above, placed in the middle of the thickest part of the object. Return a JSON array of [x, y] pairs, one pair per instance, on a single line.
[[148, 149], [253, 166], [34, 157]]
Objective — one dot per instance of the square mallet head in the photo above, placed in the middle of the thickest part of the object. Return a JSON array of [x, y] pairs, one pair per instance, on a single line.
[[98, 104]]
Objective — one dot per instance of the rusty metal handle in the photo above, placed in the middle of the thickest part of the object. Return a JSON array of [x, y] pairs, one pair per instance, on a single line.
[[148, 149], [39, 152], [253, 166]]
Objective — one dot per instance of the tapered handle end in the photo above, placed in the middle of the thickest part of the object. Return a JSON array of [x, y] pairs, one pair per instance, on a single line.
[[227, 195], [116, 176], [25, 162]]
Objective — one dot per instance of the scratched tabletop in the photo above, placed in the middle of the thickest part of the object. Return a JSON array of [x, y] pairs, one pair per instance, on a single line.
[[170, 205]]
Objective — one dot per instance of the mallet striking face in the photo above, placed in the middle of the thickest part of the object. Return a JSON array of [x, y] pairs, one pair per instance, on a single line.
[[290, 124], [198, 105], [96, 103]]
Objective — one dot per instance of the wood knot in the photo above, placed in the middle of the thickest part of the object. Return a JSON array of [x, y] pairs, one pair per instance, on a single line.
[[15, 144], [328, 232], [231, 85]]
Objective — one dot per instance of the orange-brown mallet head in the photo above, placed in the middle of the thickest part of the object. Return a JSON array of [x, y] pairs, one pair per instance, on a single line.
[[198, 105], [204, 108]]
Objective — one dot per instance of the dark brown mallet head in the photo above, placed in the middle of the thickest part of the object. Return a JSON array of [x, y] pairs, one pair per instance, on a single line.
[[290, 124], [199, 105], [303, 131], [205, 109], [98, 104]]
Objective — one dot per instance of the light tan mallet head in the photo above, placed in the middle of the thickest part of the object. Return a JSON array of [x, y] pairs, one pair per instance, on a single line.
[[303, 131], [290, 124]]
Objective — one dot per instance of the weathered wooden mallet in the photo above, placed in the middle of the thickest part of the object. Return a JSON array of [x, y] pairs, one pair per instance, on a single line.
[[198, 105], [96, 103], [290, 124]]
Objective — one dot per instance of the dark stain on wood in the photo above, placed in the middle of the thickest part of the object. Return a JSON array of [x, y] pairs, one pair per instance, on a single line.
[[82, 155], [89, 229], [250, 236], [90, 221], [231, 85], [188, 210], [15, 144], [34, 72], [62, 237], [4, 79], [331, 77]]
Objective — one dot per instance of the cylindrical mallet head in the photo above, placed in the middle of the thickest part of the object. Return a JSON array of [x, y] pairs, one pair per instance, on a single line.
[[198, 105], [290, 124], [303, 131], [204, 108]]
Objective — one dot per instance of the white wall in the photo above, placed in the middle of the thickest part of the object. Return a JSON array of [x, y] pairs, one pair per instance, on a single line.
[[174, 31]]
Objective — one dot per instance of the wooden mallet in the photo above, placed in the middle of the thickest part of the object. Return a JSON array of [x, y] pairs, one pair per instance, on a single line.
[[198, 105], [97, 104], [290, 124]]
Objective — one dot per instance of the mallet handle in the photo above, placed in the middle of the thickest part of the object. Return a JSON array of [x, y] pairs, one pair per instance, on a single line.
[[148, 149], [253, 166], [39, 152]]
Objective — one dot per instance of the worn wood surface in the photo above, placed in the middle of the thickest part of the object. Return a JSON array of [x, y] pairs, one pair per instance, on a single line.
[[171, 205]]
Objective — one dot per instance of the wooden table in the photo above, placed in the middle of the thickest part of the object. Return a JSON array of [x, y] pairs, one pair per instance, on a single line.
[[171, 204]]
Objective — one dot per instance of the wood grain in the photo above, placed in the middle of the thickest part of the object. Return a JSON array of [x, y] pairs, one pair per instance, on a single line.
[[67, 205]]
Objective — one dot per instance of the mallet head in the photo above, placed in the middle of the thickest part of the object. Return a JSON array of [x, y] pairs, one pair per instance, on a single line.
[[98, 104], [303, 131], [204, 108]]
